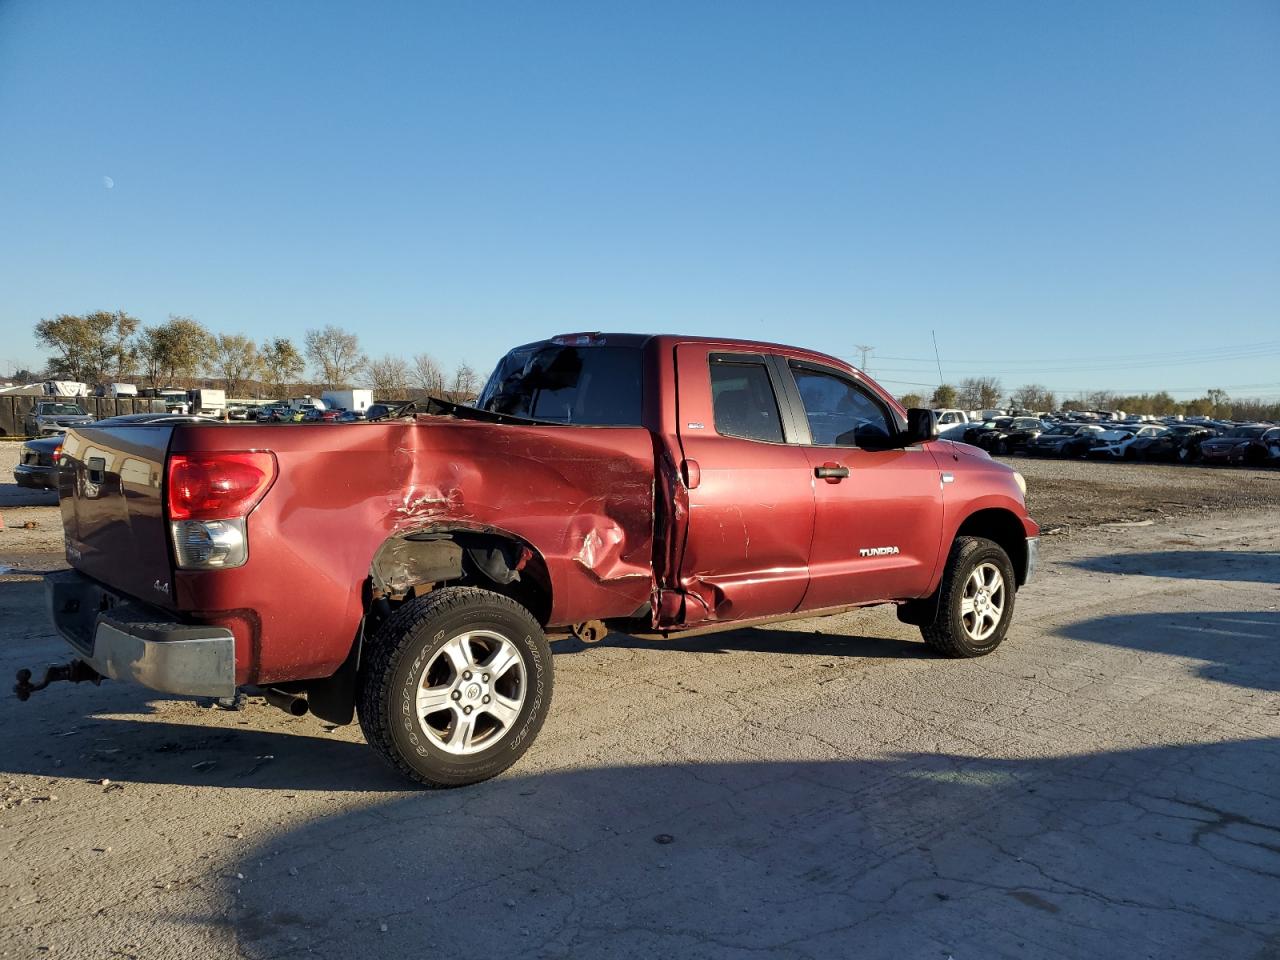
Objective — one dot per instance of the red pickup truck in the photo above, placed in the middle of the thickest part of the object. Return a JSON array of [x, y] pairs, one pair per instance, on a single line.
[[411, 570]]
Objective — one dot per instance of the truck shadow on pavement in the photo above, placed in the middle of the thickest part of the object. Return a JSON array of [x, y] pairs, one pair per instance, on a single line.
[[203, 754], [1243, 566], [1238, 647], [1166, 852]]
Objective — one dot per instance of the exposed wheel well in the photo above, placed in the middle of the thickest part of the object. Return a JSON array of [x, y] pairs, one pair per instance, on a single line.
[[419, 561], [1004, 528]]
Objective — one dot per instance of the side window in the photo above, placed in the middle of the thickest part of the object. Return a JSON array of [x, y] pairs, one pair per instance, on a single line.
[[840, 413], [743, 401]]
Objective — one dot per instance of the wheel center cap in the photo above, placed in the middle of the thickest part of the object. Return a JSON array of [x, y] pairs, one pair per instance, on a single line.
[[473, 692]]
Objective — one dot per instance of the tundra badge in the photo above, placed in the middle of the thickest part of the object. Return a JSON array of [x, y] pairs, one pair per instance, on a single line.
[[878, 551]]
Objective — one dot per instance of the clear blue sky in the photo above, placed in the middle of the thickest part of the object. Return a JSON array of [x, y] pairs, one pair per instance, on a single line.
[[1056, 188]]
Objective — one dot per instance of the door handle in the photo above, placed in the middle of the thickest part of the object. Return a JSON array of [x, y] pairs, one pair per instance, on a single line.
[[831, 472]]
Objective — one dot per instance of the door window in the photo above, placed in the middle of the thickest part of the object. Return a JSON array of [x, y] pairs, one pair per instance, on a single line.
[[743, 401], [840, 413]]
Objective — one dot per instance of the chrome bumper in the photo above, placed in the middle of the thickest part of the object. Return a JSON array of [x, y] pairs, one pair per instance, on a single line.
[[126, 641]]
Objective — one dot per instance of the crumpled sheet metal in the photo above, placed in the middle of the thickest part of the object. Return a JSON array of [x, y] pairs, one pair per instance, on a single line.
[[581, 497]]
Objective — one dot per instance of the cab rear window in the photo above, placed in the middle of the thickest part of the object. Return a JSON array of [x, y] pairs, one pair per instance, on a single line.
[[598, 386]]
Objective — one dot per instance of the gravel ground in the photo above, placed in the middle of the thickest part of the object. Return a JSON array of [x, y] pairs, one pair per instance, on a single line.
[[1076, 493], [1104, 785]]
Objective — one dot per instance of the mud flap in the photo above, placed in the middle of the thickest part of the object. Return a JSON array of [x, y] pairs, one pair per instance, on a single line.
[[334, 698], [920, 613]]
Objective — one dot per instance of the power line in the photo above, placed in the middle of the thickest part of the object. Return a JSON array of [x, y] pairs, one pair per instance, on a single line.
[[864, 351]]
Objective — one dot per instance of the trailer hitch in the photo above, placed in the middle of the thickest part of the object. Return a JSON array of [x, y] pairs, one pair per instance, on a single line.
[[76, 671]]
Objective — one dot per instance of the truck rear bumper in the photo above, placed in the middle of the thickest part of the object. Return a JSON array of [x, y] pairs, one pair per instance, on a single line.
[[125, 640]]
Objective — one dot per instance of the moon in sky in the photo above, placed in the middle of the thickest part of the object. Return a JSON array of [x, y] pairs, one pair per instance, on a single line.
[[108, 182]]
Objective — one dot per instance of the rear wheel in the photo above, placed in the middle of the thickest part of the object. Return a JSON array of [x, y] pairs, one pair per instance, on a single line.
[[455, 686], [975, 600]]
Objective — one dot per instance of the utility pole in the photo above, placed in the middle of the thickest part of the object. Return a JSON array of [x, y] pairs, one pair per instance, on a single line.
[[865, 351]]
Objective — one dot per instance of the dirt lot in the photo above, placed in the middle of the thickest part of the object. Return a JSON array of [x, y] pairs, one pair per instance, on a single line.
[[1074, 493], [1104, 785]]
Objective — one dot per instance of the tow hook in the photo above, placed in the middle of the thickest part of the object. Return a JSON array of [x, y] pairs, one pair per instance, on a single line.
[[76, 671]]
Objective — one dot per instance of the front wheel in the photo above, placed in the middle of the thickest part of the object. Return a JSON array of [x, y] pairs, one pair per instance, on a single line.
[[455, 686], [975, 600]]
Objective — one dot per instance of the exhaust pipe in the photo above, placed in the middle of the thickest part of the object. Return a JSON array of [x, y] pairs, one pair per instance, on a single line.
[[290, 703]]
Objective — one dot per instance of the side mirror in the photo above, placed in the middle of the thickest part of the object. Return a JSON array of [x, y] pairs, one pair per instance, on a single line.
[[922, 426]]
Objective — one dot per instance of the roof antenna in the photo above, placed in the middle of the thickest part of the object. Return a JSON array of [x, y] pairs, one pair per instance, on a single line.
[[934, 334]]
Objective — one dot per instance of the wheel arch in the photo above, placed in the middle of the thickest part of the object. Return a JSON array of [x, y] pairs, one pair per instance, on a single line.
[[462, 554], [414, 562], [1003, 527]]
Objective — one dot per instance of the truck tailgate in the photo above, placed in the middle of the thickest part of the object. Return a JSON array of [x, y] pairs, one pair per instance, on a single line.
[[111, 487]]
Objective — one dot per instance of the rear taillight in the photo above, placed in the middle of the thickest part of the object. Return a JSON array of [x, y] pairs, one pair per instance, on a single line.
[[217, 486], [57, 453], [209, 497]]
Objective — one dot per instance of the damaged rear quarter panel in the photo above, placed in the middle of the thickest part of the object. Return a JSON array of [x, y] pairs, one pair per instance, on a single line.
[[582, 497]]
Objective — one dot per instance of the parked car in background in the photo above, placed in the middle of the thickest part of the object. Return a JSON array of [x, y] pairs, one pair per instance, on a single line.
[[1175, 443], [1109, 444], [54, 416], [38, 463], [1053, 441], [351, 416], [1252, 444], [952, 423], [320, 416], [273, 413], [1008, 434]]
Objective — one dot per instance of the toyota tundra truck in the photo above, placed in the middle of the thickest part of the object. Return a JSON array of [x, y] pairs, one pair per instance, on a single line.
[[411, 571]]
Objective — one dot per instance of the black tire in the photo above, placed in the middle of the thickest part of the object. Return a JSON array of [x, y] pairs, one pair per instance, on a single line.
[[406, 645], [947, 633]]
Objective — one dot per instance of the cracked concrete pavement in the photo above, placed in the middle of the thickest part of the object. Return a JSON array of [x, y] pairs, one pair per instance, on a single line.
[[1106, 784]]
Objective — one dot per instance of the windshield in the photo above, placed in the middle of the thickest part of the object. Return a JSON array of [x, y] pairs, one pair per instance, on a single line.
[[1246, 433], [62, 410], [584, 385]]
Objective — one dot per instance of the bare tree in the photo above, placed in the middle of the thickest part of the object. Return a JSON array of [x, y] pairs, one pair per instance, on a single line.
[[978, 393], [465, 381], [282, 364], [235, 358], [389, 376], [1034, 397], [427, 375], [335, 354]]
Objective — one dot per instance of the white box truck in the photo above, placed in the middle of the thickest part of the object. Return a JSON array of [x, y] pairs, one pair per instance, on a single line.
[[357, 400]]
